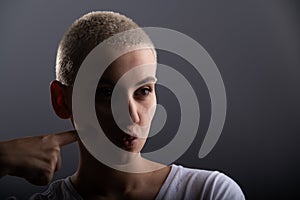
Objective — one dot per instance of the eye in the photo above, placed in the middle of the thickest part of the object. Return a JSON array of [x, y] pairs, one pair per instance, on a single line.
[[143, 92]]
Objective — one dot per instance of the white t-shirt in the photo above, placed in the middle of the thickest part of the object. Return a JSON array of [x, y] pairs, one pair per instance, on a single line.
[[181, 183]]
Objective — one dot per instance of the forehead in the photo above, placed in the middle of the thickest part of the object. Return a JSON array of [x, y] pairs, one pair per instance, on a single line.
[[129, 61]]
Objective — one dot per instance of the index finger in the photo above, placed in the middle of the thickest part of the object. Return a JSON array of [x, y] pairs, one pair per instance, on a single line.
[[65, 138]]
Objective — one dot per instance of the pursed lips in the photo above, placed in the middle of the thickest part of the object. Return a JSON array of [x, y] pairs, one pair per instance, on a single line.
[[137, 131]]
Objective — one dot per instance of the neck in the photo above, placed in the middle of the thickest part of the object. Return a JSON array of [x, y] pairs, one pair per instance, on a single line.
[[95, 178]]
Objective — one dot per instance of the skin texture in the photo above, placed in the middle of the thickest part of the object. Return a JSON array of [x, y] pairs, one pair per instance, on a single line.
[[93, 180], [141, 99], [34, 158], [37, 158]]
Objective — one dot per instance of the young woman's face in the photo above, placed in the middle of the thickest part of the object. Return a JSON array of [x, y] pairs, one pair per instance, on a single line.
[[131, 80]]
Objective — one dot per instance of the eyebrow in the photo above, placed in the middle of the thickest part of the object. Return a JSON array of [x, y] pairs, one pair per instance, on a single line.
[[146, 80]]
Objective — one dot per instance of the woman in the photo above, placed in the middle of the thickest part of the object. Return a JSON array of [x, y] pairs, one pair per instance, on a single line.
[[136, 84]]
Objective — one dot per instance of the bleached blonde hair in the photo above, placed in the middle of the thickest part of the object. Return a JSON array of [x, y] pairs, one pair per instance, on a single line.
[[85, 34]]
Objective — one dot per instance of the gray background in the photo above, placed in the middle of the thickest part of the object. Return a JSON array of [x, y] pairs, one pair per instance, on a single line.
[[254, 43]]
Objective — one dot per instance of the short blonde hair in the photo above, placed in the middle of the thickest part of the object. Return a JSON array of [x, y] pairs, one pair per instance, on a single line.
[[84, 35]]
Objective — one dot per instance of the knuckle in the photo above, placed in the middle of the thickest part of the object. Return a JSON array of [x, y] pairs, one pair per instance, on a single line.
[[46, 179], [46, 138], [55, 154], [49, 139], [48, 172], [51, 162], [56, 149], [52, 165]]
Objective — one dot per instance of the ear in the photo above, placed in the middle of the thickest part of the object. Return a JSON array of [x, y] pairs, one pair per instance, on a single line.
[[60, 100]]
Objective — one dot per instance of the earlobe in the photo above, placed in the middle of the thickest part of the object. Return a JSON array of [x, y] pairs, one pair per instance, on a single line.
[[60, 101]]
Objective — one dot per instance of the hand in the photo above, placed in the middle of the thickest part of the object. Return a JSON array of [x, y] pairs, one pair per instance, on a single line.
[[34, 158]]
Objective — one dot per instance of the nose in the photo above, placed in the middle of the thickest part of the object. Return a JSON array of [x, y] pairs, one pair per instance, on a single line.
[[133, 111]]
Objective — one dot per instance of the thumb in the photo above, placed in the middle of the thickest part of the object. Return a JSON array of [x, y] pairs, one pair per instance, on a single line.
[[65, 138]]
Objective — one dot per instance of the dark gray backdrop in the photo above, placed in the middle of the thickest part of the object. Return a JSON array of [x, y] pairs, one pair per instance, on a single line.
[[254, 43]]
